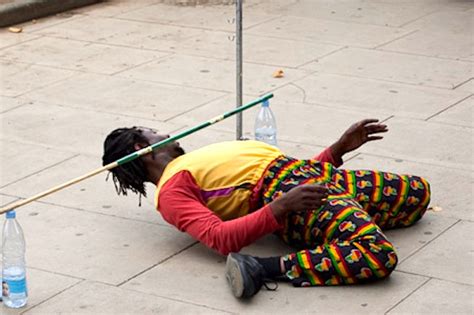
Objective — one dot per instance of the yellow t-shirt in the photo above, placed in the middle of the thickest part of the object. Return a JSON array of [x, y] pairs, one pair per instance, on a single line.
[[226, 172]]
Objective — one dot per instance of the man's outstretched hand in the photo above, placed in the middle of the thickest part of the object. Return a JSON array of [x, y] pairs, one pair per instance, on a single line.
[[358, 134]]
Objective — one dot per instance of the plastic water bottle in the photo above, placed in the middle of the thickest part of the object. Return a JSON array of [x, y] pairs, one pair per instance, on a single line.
[[14, 291], [265, 125]]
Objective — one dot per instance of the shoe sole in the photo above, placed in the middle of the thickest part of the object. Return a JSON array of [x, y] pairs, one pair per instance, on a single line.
[[234, 276]]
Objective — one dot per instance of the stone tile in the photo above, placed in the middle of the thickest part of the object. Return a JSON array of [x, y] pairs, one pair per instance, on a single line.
[[446, 257], [124, 96], [435, 44], [460, 114], [206, 285], [207, 73], [467, 86], [371, 96], [94, 246], [94, 194], [256, 49], [377, 13], [426, 142], [13, 157], [445, 182], [210, 135], [322, 30], [395, 67], [48, 21], [97, 298], [453, 21], [133, 34], [8, 103], [408, 241], [439, 297], [42, 285], [218, 17], [76, 55], [10, 39], [23, 78], [68, 129], [308, 124], [4, 199], [113, 7]]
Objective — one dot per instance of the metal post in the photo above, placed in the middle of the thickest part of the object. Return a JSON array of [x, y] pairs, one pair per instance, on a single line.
[[238, 37]]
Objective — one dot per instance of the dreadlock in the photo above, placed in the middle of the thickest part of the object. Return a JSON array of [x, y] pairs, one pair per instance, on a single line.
[[132, 175]]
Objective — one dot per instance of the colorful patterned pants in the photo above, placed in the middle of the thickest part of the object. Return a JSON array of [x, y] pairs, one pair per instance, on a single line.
[[342, 242]]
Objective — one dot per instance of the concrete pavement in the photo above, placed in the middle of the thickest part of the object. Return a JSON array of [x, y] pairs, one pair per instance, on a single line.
[[68, 80]]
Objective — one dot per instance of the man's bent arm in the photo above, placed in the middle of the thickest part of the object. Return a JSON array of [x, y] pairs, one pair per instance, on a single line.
[[180, 204]]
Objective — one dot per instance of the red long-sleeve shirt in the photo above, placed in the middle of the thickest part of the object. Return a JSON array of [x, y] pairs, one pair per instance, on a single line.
[[181, 205]]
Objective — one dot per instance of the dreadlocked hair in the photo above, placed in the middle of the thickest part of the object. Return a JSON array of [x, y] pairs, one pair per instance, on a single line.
[[132, 175]]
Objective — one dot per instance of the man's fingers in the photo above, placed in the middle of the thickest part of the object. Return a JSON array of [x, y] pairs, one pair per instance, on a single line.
[[376, 129], [372, 138], [368, 121], [314, 188]]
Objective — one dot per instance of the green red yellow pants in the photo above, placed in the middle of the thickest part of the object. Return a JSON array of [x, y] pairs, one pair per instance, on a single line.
[[342, 242]]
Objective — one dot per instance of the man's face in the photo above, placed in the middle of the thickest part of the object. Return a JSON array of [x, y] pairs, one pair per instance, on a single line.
[[172, 149]]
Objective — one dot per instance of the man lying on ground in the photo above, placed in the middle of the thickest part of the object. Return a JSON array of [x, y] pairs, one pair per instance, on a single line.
[[228, 195]]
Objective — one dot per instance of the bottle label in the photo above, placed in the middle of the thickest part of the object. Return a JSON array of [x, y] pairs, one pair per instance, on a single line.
[[13, 287]]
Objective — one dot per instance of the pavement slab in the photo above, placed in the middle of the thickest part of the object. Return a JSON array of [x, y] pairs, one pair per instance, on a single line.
[[358, 11], [467, 86], [95, 194], [426, 142], [376, 98], [70, 79], [326, 31], [446, 258], [456, 299], [123, 96], [395, 67], [218, 17], [448, 20], [436, 44], [13, 156], [8, 103], [206, 73], [78, 55], [307, 124], [112, 8], [460, 114], [97, 298], [94, 246], [10, 39], [207, 286], [42, 286], [140, 35], [445, 182], [89, 127], [256, 49], [24, 77]]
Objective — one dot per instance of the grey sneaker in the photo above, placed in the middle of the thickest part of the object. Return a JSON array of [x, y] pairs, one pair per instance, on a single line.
[[245, 275]]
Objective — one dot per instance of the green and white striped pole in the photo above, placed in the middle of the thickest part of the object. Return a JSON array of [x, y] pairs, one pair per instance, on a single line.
[[136, 154]]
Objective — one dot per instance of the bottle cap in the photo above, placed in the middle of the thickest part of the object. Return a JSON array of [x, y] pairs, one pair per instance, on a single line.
[[11, 214], [266, 103]]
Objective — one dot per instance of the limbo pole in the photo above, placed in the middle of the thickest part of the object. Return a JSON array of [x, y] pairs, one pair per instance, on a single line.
[[136, 154]]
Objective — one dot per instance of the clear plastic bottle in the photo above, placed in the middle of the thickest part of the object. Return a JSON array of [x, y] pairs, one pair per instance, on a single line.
[[265, 125], [14, 291]]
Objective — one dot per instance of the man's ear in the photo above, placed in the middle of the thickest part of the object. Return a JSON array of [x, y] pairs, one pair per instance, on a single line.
[[139, 146]]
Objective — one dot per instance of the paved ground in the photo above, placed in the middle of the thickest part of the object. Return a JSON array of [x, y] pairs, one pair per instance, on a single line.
[[68, 80]]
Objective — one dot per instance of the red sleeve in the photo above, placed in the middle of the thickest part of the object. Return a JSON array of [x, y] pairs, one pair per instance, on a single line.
[[181, 205], [326, 156]]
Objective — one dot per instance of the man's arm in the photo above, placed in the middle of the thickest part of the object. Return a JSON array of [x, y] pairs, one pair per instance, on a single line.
[[181, 205], [358, 134]]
